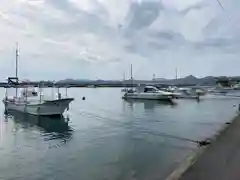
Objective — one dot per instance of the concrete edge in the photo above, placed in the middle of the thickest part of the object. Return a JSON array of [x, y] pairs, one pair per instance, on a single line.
[[188, 161], [193, 157]]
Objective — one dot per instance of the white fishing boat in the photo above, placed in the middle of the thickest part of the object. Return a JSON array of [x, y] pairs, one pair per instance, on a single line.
[[28, 101], [39, 108], [148, 92]]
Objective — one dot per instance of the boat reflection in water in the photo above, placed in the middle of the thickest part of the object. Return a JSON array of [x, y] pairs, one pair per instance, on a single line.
[[52, 127], [149, 104]]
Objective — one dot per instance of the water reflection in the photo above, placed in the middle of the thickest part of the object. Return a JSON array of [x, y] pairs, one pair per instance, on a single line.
[[52, 127], [148, 104]]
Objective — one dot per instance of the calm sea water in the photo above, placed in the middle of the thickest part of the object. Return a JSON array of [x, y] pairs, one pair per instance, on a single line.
[[107, 138]]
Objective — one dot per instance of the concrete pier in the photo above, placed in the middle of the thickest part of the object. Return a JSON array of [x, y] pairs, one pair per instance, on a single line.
[[218, 161]]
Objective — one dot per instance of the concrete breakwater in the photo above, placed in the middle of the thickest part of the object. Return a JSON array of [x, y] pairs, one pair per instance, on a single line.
[[220, 160]]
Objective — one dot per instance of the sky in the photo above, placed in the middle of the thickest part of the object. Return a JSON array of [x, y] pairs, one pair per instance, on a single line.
[[99, 39]]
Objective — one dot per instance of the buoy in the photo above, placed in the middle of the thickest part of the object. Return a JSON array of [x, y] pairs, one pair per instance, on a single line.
[[83, 98], [204, 143]]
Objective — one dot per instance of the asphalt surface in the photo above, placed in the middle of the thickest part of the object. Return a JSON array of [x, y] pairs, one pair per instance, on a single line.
[[221, 161]]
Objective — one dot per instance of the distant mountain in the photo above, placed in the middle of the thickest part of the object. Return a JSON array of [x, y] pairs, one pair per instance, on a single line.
[[209, 80], [87, 82], [73, 81], [191, 80], [188, 80], [160, 79]]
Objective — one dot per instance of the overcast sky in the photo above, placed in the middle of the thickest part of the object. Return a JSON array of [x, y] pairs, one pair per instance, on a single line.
[[101, 38]]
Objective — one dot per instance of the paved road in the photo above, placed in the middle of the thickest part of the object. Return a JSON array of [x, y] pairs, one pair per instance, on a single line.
[[221, 161]]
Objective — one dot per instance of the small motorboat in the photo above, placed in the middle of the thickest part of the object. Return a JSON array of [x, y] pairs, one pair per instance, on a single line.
[[149, 93]]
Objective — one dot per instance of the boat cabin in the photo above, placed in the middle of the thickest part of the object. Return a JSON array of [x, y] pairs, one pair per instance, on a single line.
[[150, 89], [28, 92], [147, 89]]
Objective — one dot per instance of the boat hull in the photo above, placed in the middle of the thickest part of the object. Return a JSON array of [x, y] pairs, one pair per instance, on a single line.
[[145, 96], [186, 97], [46, 108]]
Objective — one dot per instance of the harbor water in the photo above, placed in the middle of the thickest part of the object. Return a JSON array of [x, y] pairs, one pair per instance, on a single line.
[[107, 138]]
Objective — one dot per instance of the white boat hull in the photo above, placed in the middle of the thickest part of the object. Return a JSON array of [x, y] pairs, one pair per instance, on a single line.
[[46, 108], [186, 97], [147, 96]]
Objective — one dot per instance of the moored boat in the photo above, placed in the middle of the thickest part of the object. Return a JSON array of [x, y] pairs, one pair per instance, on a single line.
[[148, 92], [187, 92], [37, 107], [31, 102]]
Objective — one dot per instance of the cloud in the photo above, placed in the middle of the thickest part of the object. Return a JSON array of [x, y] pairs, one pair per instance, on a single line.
[[101, 38], [198, 6], [142, 14]]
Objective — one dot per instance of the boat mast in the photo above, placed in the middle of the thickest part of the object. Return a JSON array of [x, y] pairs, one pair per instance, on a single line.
[[40, 91], [176, 73], [124, 80], [131, 75], [16, 70]]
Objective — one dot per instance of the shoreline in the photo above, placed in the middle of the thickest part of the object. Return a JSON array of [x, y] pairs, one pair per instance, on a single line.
[[193, 157]]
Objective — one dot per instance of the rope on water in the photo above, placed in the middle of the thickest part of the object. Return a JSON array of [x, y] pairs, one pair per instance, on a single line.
[[152, 119], [144, 130]]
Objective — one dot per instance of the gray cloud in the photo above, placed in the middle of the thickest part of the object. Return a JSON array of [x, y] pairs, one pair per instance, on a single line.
[[197, 6], [143, 14]]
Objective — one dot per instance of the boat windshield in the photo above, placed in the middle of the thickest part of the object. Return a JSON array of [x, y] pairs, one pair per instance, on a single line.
[[150, 89]]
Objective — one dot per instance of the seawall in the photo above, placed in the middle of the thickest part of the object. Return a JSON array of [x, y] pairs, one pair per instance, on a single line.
[[220, 160]]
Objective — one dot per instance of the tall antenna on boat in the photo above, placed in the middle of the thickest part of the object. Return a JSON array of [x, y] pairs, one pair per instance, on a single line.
[[16, 60], [131, 75], [131, 72], [124, 80], [176, 73], [16, 68]]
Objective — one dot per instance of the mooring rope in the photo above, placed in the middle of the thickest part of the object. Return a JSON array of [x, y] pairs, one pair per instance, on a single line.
[[141, 129]]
